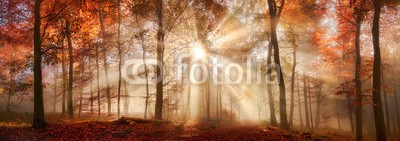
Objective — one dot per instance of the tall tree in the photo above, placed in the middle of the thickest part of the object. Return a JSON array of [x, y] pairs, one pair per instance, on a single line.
[[292, 37], [91, 86], [385, 101], [146, 68], [119, 55], [299, 103], [376, 94], [359, 14], [102, 18], [310, 102], [274, 14], [82, 77], [71, 67], [64, 75], [98, 81], [160, 61], [55, 88], [306, 102], [38, 112], [396, 104]]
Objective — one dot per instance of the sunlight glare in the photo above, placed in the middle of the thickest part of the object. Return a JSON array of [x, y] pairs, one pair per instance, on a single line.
[[199, 53]]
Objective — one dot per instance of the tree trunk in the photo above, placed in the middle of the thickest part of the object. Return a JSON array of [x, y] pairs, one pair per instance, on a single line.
[[318, 106], [292, 85], [146, 69], [231, 109], [396, 104], [208, 94], [306, 102], [357, 74], [82, 82], [274, 20], [350, 111], [107, 81], [299, 104], [120, 58], [376, 94], [38, 108], [147, 82], [387, 115], [104, 53], [218, 101], [98, 80], [393, 121], [71, 66], [310, 103], [91, 86], [189, 89], [64, 75], [221, 113], [271, 100], [396, 107], [387, 111], [55, 90], [126, 101], [160, 59], [180, 91], [338, 120]]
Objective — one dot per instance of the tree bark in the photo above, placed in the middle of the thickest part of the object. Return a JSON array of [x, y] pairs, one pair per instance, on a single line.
[[189, 89], [306, 103], [55, 89], [292, 82], [376, 94], [82, 82], [387, 115], [146, 69], [64, 75], [160, 59], [38, 109], [396, 105], [274, 20], [119, 57], [147, 80], [310, 103], [208, 94], [221, 113], [299, 104], [98, 80], [91, 86], [318, 106], [357, 74], [217, 101], [71, 67], [126, 101], [350, 111], [104, 53]]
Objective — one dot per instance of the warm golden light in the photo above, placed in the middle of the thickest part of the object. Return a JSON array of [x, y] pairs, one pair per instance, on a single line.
[[199, 53]]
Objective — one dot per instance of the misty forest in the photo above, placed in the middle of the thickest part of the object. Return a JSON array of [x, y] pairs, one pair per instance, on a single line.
[[199, 70]]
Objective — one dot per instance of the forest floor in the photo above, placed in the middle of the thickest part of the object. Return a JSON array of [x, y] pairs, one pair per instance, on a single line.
[[17, 127]]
